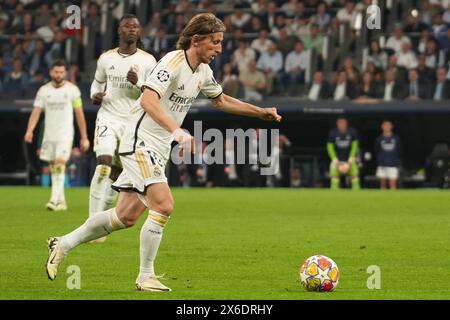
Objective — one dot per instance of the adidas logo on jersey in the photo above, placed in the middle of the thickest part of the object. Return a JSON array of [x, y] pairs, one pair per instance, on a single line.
[[111, 68], [182, 87]]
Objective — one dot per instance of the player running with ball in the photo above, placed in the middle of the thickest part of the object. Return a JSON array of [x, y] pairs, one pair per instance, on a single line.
[[167, 96], [116, 87]]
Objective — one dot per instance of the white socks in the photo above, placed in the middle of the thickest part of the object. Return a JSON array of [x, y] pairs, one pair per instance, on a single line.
[[100, 181], [58, 174], [151, 235], [110, 196], [97, 226]]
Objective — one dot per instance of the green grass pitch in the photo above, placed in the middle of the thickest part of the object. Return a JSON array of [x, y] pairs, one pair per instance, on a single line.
[[239, 244]]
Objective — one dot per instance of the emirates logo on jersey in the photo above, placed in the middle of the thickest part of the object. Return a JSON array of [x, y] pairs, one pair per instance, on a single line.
[[162, 75]]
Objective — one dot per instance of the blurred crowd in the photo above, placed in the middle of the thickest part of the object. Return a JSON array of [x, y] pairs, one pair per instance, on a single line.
[[270, 47]]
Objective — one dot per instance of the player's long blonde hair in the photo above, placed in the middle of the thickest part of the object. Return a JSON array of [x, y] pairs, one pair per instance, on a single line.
[[201, 25]]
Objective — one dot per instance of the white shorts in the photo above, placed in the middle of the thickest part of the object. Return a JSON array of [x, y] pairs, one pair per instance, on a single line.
[[387, 172], [107, 136], [55, 150], [140, 169]]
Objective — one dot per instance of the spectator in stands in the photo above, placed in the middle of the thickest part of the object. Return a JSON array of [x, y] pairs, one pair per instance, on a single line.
[[351, 70], [388, 150], [416, 89], [262, 43], [413, 25], [300, 27], [57, 48], [37, 59], [242, 56], [393, 89], [319, 89], [178, 25], [426, 12], [286, 42], [438, 29], [15, 52], [16, 80], [434, 56], [18, 18], [254, 81], [367, 91], [159, 44], [232, 44], [93, 21], [229, 81], [425, 73], [347, 14], [269, 18], [256, 24], [239, 18], [34, 84], [406, 57], [47, 32], [289, 7], [259, 7], [375, 72], [154, 23], [401, 74], [322, 17], [446, 15], [2, 75], [343, 88], [377, 56], [3, 26], [43, 15], [441, 89], [296, 64], [280, 23], [271, 63], [397, 39], [343, 148], [182, 6], [425, 36], [315, 40]]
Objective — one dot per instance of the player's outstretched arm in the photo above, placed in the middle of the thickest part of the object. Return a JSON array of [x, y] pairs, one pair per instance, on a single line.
[[232, 105], [150, 103], [32, 122]]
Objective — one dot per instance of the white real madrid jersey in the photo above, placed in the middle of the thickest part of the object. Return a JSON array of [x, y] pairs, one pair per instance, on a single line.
[[177, 86], [112, 69], [58, 104]]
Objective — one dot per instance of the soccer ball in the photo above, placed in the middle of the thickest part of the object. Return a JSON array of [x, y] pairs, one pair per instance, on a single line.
[[319, 273]]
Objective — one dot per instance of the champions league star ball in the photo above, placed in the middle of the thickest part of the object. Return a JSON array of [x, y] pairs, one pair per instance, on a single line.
[[319, 273]]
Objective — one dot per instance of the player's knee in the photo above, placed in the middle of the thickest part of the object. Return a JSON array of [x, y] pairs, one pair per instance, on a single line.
[[128, 221], [164, 207], [115, 173]]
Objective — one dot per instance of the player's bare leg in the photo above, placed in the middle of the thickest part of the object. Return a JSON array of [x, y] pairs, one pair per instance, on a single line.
[[160, 208], [393, 184], [57, 200], [382, 183], [125, 215]]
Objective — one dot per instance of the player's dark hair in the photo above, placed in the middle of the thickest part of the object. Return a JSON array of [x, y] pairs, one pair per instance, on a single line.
[[127, 16], [58, 63], [201, 25]]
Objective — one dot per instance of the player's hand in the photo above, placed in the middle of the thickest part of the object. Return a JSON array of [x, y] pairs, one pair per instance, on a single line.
[[28, 138], [84, 145], [185, 140], [270, 114], [132, 76], [98, 98]]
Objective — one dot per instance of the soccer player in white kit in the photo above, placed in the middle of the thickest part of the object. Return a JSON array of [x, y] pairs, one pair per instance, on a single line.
[[59, 99], [116, 86], [167, 95]]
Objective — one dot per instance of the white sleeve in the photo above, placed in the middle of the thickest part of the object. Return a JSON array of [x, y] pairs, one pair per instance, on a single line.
[[163, 74], [100, 73], [151, 63], [97, 87], [210, 88]]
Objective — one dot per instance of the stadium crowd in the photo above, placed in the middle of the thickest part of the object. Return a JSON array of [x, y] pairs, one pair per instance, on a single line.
[[267, 50]]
